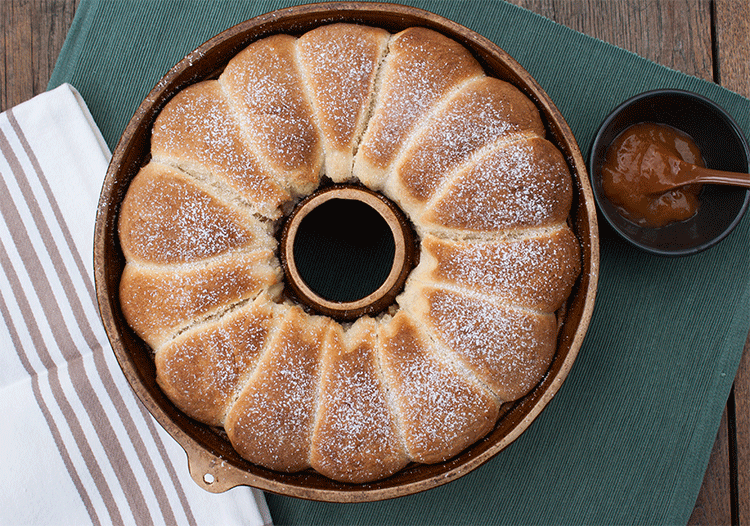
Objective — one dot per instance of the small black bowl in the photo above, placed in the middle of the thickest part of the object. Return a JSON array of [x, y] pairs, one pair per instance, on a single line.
[[723, 146]]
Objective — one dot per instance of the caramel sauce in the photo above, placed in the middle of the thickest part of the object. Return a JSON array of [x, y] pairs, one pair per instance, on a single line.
[[633, 174]]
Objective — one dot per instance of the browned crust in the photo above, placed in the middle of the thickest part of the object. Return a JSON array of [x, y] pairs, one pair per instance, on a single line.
[[167, 218], [198, 132], [202, 369], [483, 112], [507, 348], [271, 423], [535, 271], [266, 89], [158, 302], [421, 67], [518, 185], [355, 439], [339, 62], [440, 410]]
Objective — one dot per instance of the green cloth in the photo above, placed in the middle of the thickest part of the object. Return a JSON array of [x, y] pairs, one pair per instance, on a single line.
[[628, 438]]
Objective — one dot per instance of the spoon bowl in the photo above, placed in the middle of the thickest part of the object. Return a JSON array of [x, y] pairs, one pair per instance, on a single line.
[[679, 173]]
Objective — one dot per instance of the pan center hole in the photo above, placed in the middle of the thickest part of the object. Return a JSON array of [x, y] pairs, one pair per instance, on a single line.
[[344, 250]]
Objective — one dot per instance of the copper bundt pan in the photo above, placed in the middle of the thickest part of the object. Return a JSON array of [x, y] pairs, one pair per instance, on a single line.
[[213, 463]]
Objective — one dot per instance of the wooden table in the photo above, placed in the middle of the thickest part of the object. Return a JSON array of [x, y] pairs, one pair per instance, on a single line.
[[707, 39]]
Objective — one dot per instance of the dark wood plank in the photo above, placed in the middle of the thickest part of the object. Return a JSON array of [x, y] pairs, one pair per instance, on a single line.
[[674, 33], [732, 34], [732, 28], [742, 433], [32, 33], [714, 502]]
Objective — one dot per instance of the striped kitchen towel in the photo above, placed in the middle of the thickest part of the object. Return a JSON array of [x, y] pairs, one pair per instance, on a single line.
[[78, 447]]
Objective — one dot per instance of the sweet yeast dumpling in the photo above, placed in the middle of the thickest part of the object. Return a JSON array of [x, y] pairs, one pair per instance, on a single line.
[[168, 217], [421, 68], [485, 111], [198, 132], [265, 87], [508, 348], [413, 116], [536, 270], [272, 421], [356, 436], [521, 184], [339, 62], [203, 368], [440, 409]]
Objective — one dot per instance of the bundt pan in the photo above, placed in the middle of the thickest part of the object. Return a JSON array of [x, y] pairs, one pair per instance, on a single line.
[[213, 463]]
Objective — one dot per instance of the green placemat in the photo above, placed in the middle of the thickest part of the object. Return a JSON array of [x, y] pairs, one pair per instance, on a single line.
[[628, 438]]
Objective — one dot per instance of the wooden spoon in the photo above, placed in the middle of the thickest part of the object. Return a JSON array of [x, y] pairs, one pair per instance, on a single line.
[[667, 172]]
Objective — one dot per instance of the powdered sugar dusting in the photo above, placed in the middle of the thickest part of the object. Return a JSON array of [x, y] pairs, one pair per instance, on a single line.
[[423, 381], [482, 112], [272, 420], [197, 132], [355, 438], [340, 66], [522, 184], [535, 272], [509, 349], [159, 302], [202, 368], [418, 72], [264, 85], [167, 219], [440, 410]]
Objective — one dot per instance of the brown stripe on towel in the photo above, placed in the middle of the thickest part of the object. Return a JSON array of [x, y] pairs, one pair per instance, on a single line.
[[53, 203], [46, 413], [63, 406], [83, 322], [84, 390]]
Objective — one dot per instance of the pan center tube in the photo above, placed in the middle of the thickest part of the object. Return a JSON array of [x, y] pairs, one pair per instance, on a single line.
[[346, 252]]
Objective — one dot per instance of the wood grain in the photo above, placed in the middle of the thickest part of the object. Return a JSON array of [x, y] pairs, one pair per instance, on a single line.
[[731, 25], [741, 397], [714, 502], [732, 49], [674, 33], [31, 34]]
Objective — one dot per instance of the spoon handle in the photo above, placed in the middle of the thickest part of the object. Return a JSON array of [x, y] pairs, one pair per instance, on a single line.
[[708, 176]]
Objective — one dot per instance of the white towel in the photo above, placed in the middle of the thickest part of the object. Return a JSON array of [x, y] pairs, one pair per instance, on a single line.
[[77, 445]]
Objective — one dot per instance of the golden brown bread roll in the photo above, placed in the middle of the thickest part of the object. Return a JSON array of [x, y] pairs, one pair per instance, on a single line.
[[356, 435], [535, 271], [420, 69], [484, 111], [413, 116], [169, 218], [159, 303], [508, 348], [339, 66], [441, 410], [264, 85], [198, 132], [202, 369], [520, 184], [272, 421]]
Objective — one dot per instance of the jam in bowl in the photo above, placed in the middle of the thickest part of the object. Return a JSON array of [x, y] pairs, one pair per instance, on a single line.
[[681, 222]]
